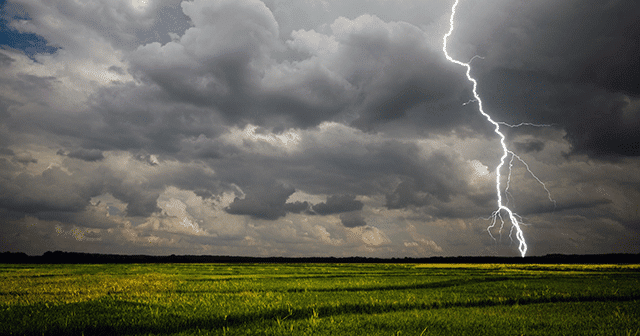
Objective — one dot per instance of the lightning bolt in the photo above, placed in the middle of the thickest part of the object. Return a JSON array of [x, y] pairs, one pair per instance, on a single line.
[[520, 124], [515, 219]]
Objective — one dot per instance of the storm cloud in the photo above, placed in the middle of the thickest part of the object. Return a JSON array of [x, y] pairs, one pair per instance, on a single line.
[[282, 127]]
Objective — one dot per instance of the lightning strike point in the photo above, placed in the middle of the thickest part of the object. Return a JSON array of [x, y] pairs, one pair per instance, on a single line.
[[515, 219]]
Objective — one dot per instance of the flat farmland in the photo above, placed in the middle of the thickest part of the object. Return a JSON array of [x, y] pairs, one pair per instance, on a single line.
[[319, 299]]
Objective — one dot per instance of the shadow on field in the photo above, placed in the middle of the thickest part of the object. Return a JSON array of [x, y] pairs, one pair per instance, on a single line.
[[117, 317], [424, 285]]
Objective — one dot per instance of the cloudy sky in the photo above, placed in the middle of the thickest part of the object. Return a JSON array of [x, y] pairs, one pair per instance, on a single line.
[[317, 127]]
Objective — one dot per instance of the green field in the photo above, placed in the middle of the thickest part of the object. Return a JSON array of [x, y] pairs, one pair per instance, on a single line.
[[319, 299]]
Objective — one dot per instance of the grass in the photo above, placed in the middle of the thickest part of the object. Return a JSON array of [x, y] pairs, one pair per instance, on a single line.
[[319, 299]]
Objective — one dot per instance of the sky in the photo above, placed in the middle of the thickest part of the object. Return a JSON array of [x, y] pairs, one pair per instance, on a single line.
[[318, 127]]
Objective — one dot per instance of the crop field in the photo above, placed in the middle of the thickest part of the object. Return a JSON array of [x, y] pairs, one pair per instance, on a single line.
[[319, 299]]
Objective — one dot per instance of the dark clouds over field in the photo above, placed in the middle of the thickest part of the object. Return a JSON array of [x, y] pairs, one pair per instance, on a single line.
[[314, 128]]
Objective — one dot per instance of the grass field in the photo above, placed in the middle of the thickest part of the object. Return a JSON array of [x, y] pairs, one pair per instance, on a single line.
[[319, 299]]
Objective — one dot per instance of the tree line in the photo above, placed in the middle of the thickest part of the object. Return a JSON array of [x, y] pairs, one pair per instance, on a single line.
[[61, 257]]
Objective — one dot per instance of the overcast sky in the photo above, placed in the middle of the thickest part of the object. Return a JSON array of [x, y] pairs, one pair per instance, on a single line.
[[317, 127]]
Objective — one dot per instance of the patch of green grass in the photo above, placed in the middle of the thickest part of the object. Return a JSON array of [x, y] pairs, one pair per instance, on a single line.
[[319, 299]]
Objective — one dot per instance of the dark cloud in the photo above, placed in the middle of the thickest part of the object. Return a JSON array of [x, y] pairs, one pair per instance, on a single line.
[[84, 154], [52, 191], [406, 194], [395, 70], [8, 168], [338, 204], [5, 60], [6, 151], [147, 158], [211, 64], [203, 193], [142, 119], [587, 205], [297, 207], [577, 66], [598, 123], [36, 88], [117, 70], [529, 146], [606, 130], [24, 158], [374, 164], [264, 202], [352, 219], [140, 202]]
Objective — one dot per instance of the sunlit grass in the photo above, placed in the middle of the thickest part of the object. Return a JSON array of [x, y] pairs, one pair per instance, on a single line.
[[298, 299]]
